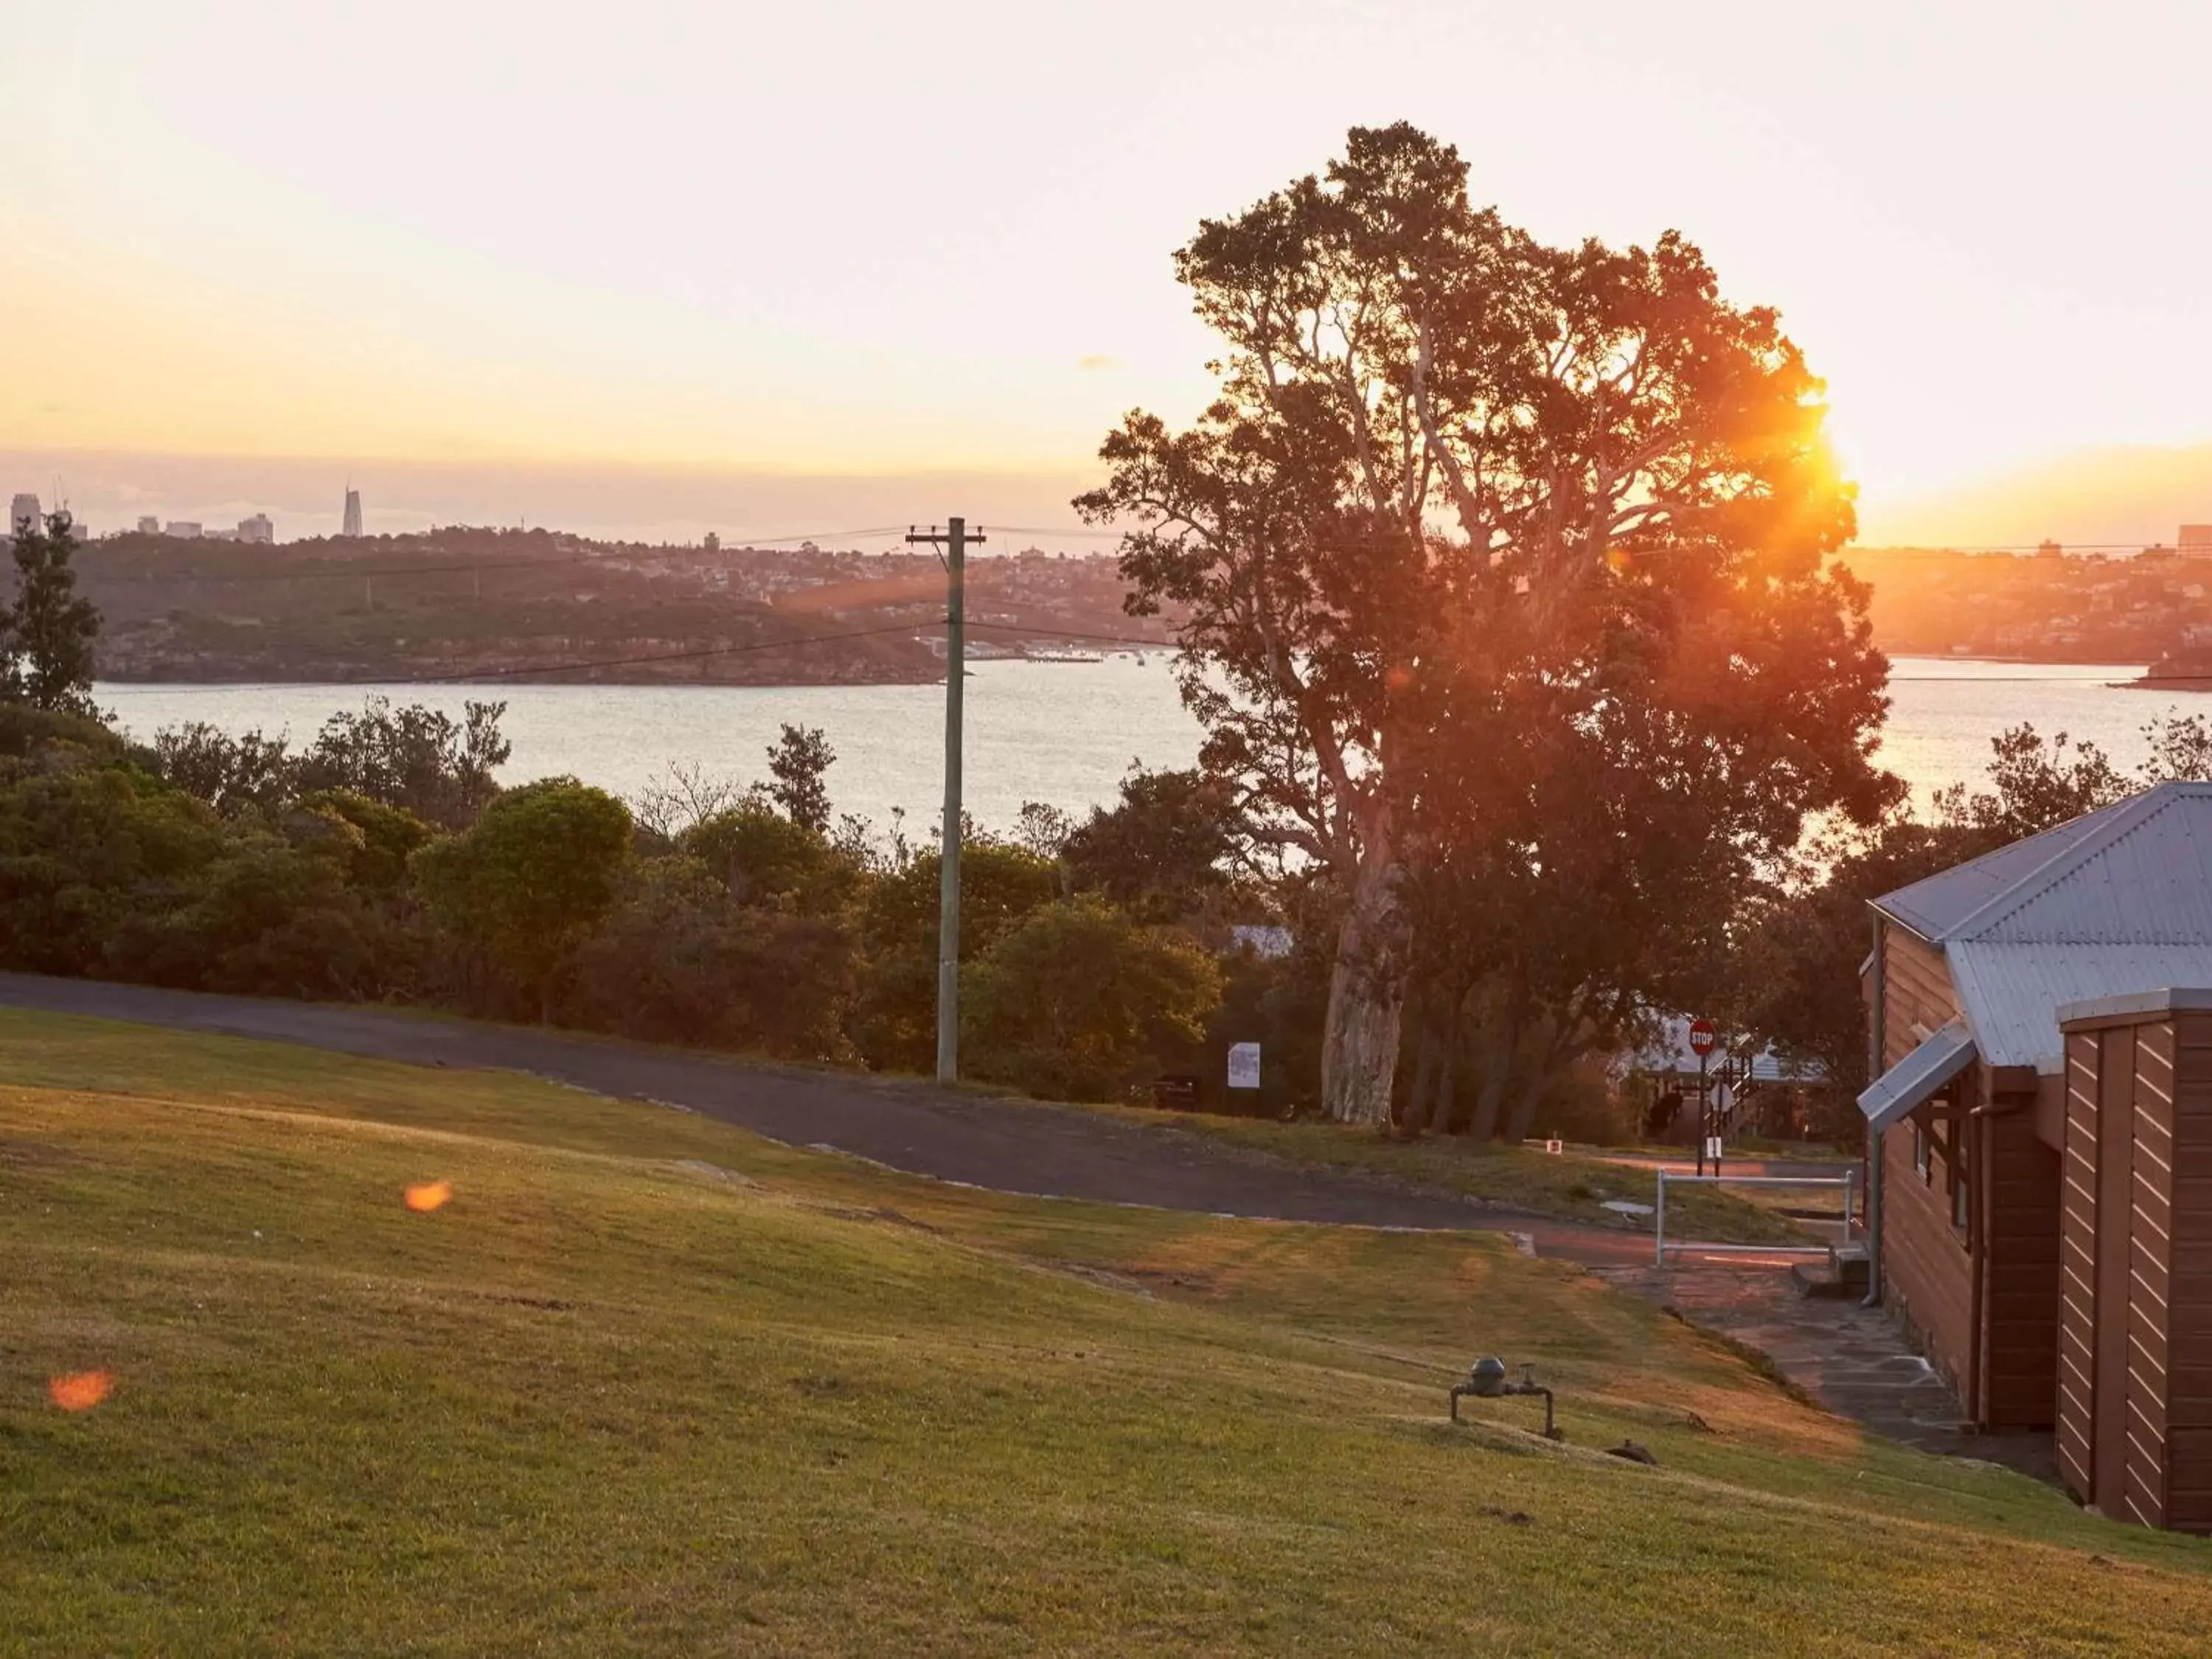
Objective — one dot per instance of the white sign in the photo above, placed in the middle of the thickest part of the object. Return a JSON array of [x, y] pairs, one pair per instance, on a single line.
[[1713, 1148], [1244, 1065]]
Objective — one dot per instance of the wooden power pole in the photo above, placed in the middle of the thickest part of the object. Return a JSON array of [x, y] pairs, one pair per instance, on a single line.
[[954, 541]]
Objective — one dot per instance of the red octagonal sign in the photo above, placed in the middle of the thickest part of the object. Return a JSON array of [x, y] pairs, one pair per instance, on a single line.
[[1701, 1036]]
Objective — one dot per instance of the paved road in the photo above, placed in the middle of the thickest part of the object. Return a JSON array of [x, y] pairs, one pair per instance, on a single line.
[[911, 1125]]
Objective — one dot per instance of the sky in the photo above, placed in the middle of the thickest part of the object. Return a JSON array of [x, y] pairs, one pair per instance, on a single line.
[[657, 268]]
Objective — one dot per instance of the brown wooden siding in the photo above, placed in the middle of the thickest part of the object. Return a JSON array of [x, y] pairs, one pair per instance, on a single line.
[[2077, 1269], [1917, 993], [2020, 1229], [1926, 1272], [2150, 1230], [2189, 1279], [1927, 1275], [2134, 1418]]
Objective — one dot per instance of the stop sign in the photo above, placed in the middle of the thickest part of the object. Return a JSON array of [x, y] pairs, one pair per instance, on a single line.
[[1701, 1036]]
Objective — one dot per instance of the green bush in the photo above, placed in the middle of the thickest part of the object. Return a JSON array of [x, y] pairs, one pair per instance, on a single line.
[[896, 1022], [530, 880], [1075, 1001], [679, 960]]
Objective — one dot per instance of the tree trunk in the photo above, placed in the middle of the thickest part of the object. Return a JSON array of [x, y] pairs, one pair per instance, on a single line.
[[1497, 1074], [1416, 1117], [1359, 1048], [1446, 1109]]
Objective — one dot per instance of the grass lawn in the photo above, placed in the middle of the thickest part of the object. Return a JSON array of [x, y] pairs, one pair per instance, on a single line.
[[1573, 1184], [646, 1383]]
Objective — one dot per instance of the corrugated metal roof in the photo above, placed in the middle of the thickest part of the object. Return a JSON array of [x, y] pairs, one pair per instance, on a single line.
[[1942, 1057], [1933, 907], [2012, 992], [2115, 902]]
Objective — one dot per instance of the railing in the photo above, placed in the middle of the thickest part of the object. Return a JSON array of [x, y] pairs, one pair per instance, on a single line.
[[1847, 1183]]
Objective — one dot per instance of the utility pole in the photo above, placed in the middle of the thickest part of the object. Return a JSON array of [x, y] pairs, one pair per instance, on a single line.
[[955, 540]]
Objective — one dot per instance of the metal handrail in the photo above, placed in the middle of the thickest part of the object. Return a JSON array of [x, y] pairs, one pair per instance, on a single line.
[[1847, 1182]]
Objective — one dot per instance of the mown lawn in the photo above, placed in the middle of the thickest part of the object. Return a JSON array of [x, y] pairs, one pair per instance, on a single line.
[[646, 1383]]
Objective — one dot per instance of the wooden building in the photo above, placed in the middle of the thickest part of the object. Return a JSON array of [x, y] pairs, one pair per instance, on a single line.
[[2040, 1142]]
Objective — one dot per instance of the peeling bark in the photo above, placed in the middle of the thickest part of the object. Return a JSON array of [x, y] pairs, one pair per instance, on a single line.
[[1366, 1004]]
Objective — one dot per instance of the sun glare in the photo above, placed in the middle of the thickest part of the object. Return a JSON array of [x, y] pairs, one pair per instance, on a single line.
[[79, 1391]]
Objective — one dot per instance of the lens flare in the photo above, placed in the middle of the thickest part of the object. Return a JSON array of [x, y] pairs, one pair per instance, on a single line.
[[428, 1195], [79, 1391]]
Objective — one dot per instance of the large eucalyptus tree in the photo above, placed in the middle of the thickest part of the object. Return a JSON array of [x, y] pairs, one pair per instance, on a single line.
[[1466, 498]]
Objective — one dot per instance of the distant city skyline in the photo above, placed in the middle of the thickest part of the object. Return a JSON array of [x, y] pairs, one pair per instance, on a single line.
[[2106, 498]]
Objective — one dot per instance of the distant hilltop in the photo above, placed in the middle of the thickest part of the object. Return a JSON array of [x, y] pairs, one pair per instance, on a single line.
[[544, 606], [2045, 603]]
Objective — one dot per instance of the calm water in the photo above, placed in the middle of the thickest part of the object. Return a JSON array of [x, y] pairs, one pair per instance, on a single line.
[[1063, 732]]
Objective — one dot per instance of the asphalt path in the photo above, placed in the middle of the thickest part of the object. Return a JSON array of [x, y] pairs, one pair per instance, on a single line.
[[1008, 1146]]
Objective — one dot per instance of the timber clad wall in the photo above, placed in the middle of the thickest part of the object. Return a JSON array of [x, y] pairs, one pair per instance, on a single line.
[[1917, 993], [2189, 1305], [2135, 1419], [2019, 1219], [1925, 1265], [2077, 1266]]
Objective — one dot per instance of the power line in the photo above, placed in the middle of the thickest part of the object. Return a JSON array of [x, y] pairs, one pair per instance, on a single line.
[[1057, 530]]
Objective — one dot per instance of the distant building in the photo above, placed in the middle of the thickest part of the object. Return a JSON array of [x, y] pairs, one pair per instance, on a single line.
[[184, 529], [149, 525], [352, 524], [24, 507], [2196, 540], [2049, 550], [257, 529]]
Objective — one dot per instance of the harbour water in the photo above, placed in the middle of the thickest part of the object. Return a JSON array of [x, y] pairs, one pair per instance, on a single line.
[[1060, 732]]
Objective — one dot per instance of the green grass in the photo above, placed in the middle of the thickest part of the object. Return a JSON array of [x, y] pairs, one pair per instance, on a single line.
[[647, 1383], [1572, 1185]]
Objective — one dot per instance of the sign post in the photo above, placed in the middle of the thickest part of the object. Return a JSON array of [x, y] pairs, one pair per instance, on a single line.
[[1702, 1039]]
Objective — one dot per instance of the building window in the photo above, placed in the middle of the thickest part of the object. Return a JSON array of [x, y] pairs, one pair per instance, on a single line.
[[1960, 1185], [1920, 1165]]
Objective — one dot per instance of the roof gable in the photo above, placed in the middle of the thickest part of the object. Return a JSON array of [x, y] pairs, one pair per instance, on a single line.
[[2116, 901], [1936, 905], [2142, 875]]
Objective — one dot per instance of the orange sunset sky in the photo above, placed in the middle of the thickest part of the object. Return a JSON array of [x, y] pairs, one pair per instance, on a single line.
[[659, 268]]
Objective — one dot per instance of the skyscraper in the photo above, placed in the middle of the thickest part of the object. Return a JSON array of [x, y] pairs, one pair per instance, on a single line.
[[352, 514], [25, 506]]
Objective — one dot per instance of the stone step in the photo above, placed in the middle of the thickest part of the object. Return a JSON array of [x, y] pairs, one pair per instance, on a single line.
[[1818, 1279], [1851, 1264]]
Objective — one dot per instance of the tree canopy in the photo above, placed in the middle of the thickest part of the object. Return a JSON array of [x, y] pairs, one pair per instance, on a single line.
[[47, 633], [1495, 555], [531, 878]]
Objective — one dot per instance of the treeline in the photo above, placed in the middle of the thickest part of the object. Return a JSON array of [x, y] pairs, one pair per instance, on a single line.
[[382, 862]]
